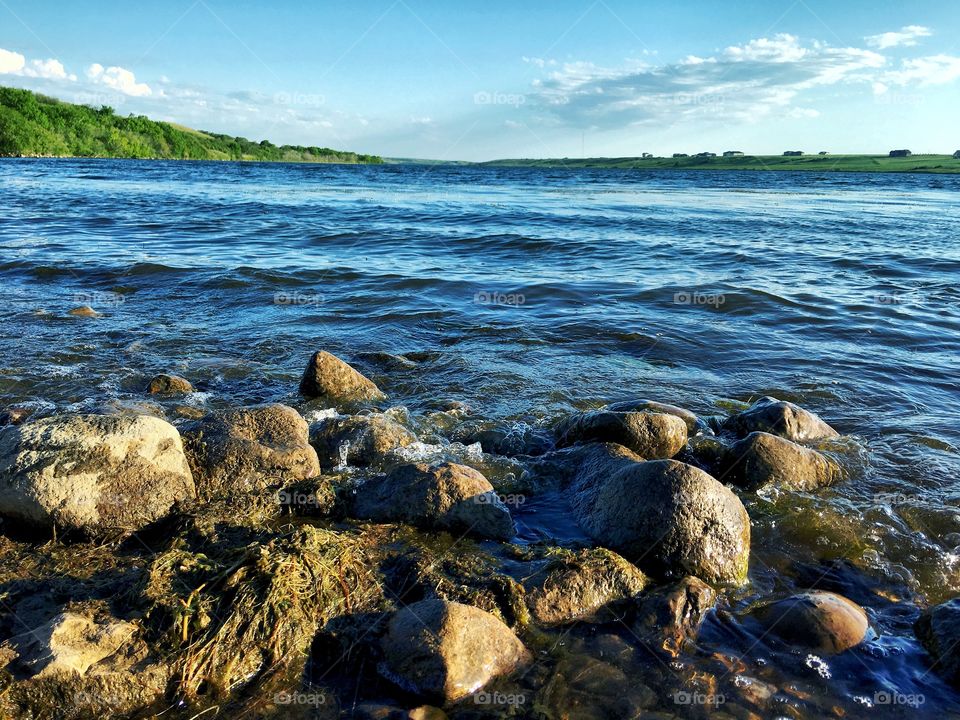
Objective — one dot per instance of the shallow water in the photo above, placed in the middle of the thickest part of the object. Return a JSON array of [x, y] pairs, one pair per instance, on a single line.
[[525, 293]]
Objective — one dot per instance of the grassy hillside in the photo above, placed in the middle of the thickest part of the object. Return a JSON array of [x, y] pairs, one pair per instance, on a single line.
[[35, 125], [809, 163]]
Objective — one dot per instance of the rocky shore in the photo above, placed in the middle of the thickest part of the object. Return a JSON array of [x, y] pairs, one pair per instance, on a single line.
[[279, 562]]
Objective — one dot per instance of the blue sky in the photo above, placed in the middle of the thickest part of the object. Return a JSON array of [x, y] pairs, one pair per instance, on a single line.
[[482, 80]]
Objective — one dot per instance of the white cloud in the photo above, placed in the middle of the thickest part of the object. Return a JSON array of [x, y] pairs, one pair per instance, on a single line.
[[119, 79], [932, 70], [904, 37], [781, 48], [49, 69], [801, 113], [11, 63]]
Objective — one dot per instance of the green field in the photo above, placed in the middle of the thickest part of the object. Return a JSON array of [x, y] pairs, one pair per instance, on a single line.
[[33, 125], [806, 163]]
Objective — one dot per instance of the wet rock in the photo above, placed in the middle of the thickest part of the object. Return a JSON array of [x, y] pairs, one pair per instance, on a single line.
[[781, 418], [447, 497], [357, 439], [84, 311], [249, 449], [762, 459], [329, 378], [581, 586], [92, 472], [938, 630], [14, 416], [70, 643], [584, 465], [585, 688], [707, 452], [821, 621], [164, 384], [669, 518], [444, 651], [674, 614], [653, 406], [650, 435], [506, 441]]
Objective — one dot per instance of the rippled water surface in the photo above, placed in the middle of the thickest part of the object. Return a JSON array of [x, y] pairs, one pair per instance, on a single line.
[[525, 293]]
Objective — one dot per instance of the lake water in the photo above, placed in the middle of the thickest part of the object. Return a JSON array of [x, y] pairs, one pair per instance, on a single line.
[[526, 293]]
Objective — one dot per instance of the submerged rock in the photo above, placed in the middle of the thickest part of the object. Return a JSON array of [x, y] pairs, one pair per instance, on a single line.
[[651, 435], [164, 384], [821, 621], [445, 651], [669, 518], [653, 406], [762, 459], [357, 439], [779, 417], [14, 416], [447, 497], [674, 614], [92, 472], [249, 449], [580, 586], [84, 311], [329, 378], [938, 630], [508, 441]]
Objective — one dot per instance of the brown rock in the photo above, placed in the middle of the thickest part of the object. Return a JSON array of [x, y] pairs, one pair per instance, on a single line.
[[357, 439], [164, 384], [70, 643], [650, 435], [674, 614], [657, 407], [781, 418], [249, 449], [330, 378], [445, 651], [447, 497], [14, 416], [84, 311], [822, 621], [762, 459]]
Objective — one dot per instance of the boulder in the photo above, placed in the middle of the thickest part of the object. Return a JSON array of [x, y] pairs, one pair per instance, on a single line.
[[673, 614], [92, 472], [444, 651], [657, 407], [164, 384], [669, 518], [781, 418], [821, 621], [446, 497], [938, 630], [762, 459], [249, 449], [14, 416], [84, 311], [357, 439], [70, 643], [651, 435], [580, 586], [506, 440], [327, 377]]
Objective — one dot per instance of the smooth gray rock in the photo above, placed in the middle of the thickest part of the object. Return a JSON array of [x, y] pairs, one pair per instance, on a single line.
[[779, 417]]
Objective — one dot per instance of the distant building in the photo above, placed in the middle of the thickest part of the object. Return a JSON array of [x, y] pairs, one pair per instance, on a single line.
[[705, 155], [793, 153], [733, 153], [956, 155], [679, 155], [900, 153]]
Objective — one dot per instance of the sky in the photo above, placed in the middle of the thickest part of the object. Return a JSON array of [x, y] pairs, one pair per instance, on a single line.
[[471, 80]]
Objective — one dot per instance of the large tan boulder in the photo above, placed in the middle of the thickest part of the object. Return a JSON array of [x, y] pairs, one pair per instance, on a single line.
[[653, 406], [445, 651], [669, 518], [92, 472], [779, 417], [249, 449], [652, 436], [762, 459], [446, 497], [329, 378], [821, 621]]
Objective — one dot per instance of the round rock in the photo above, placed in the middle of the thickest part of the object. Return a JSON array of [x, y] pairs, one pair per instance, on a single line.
[[821, 621], [762, 459], [779, 417], [164, 384], [651, 435]]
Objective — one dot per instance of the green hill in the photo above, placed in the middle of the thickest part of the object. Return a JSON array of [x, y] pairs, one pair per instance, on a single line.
[[33, 125]]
